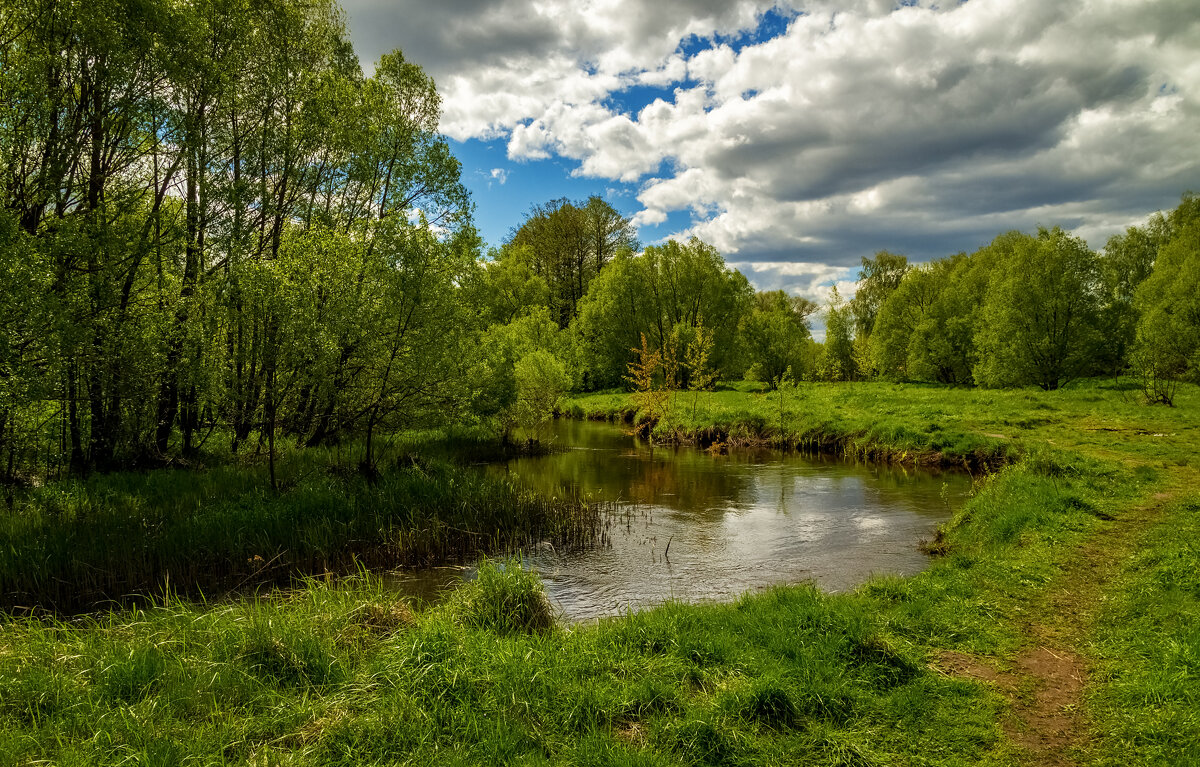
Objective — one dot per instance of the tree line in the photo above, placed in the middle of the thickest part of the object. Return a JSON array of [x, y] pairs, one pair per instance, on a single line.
[[1040, 310], [210, 220], [214, 229]]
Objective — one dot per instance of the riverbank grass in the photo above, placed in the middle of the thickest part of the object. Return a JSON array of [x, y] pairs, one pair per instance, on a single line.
[[921, 423], [340, 673], [79, 544]]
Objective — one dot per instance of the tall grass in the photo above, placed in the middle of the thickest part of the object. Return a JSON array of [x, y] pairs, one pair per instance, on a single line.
[[73, 545]]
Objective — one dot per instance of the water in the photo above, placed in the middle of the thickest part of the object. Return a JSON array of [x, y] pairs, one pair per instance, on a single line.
[[734, 523]]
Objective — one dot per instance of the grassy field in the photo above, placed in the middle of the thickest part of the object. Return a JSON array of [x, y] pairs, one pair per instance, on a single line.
[[926, 423], [1060, 625]]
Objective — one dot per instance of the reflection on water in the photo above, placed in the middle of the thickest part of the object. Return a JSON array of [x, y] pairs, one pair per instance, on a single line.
[[733, 523]]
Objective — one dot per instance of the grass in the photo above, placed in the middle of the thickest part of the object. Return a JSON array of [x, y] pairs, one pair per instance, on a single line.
[[789, 677], [346, 674], [77, 544], [925, 423], [1148, 643]]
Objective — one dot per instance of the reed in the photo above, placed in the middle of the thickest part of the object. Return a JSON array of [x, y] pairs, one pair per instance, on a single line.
[[76, 545]]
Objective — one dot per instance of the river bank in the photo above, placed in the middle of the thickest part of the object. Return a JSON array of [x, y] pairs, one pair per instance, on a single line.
[[119, 538], [1073, 561]]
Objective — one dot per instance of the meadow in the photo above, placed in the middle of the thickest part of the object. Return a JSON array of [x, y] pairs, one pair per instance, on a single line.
[[1079, 548]]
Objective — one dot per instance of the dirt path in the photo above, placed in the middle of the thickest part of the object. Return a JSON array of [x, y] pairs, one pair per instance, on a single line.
[[1046, 680]]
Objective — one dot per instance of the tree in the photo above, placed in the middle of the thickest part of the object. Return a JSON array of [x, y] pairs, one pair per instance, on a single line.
[[1127, 261], [701, 376], [665, 293], [877, 279], [217, 198], [1167, 346], [837, 355], [541, 380], [650, 395], [505, 287], [568, 244], [1039, 321], [498, 390], [775, 335]]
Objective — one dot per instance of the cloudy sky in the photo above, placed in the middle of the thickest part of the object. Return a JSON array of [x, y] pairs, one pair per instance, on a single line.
[[799, 137]]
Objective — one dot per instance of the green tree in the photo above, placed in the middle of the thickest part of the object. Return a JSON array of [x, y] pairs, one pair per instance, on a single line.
[[877, 279], [568, 244], [1127, 261], [541, 381], [1168, 332], [836, 362], [1039, 321], [775, 335], [224, 209], [663, 294]]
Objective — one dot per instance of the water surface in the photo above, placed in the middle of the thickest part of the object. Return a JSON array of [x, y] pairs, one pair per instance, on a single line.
[[733, 523]]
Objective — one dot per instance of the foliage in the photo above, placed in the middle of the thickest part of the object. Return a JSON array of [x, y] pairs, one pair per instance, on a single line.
[[646, 373], [567, 245], [877, 279], [541, 382], [228, 226], [837, 354], [775, 335], [1168, 330], [1040, 319], [663, 294]]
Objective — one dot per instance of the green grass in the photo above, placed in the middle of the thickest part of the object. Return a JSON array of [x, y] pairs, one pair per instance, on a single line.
[[929, 423], [788, 677], [1149, 647], [73, 545], [344, 673]]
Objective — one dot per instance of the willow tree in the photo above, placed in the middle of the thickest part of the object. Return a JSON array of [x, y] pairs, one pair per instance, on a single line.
[[1167, 346], [775, 336], [1040, 318], [664, 294]]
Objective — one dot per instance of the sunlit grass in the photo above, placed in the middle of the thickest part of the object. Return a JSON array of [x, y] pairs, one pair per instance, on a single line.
[[927, 423], [344, 673]]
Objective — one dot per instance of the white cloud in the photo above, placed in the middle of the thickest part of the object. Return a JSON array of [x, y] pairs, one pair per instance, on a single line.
[[499, 175], [922, 129]]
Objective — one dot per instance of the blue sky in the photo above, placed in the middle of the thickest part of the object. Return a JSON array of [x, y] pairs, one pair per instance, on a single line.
[[799, 137], [504, 189], [503, 199]]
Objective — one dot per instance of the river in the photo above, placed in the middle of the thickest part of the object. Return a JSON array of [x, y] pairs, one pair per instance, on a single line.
[[701, 527]]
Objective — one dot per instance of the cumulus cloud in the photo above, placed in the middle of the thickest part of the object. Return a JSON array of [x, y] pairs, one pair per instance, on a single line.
[[854, 126]]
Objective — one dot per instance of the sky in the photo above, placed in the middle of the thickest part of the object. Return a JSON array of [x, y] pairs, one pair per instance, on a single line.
[[798, 137]]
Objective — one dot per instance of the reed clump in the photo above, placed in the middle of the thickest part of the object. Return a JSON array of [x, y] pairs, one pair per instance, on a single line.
[[503, 597], [121, 537]]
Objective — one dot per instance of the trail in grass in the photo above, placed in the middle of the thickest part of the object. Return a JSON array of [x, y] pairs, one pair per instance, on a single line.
[[1046, 681]]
